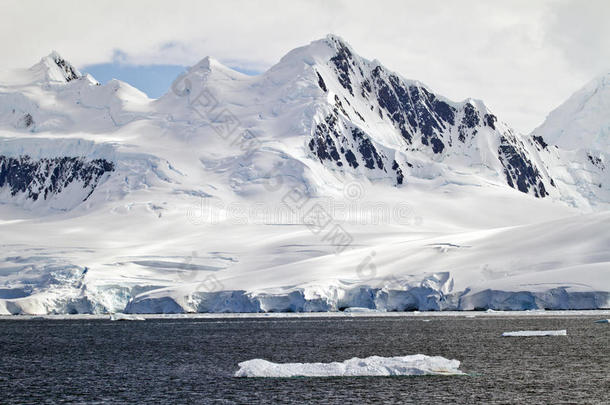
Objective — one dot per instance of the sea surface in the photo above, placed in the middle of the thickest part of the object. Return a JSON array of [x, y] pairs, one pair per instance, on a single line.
[[193, 360]]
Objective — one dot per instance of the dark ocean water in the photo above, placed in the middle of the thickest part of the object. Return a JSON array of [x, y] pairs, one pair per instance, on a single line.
[[192, 361]]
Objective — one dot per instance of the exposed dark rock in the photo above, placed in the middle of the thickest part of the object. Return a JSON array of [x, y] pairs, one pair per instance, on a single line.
[[49, 176], [596, 161], [437, 145], [490, 120], [444, 111], [323, 143], [520, 172], [351, 159], [413, 109], [69, 72], [418, 116], [471, 117], [28, 120], [540, 141], [321, 83], [342, 61], [359, 116], [366, 88], [339, 105], [399, 175], [367, 150]]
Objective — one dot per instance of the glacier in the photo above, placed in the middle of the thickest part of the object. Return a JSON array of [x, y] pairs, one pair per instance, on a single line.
[[327, 183], [413, 365]]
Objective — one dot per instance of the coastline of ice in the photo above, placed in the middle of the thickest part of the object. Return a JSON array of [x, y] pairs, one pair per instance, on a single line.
[[417, 364], [329, 299], [561, 332], [363, 297], [337, 314]]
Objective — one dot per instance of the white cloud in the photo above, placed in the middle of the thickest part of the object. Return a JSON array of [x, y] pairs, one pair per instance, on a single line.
[[522, 57]]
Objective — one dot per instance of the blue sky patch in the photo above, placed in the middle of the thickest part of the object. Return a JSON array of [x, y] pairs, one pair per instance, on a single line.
[[154, 80]]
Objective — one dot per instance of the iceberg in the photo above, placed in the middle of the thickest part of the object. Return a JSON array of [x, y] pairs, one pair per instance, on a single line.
[[561, 332], [603, 321], [417, 364]]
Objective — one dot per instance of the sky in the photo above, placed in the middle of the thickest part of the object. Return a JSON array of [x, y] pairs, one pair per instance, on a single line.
[[523, 58]]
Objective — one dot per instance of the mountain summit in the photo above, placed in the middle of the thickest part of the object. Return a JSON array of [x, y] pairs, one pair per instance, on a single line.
[[582, 120], [355, 116], [54, 68]]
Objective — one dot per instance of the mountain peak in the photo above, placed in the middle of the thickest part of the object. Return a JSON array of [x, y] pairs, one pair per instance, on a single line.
[[54, 68], [208, 70], [582, 120], [316, 52], [337, 42], [60, 69], [207, 63]]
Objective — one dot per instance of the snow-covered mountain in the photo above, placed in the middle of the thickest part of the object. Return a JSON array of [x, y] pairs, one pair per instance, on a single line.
[[358, 117], [326, 182], [580, 128], [582, 120]]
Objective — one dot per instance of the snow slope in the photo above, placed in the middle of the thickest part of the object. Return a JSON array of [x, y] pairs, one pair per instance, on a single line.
[[325, 183], [582, 120], [580, 127]]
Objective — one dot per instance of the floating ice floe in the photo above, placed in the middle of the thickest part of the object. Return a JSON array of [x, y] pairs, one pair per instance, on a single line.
[[561, 332], [123, 317], [603, 321], [417, 364]]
